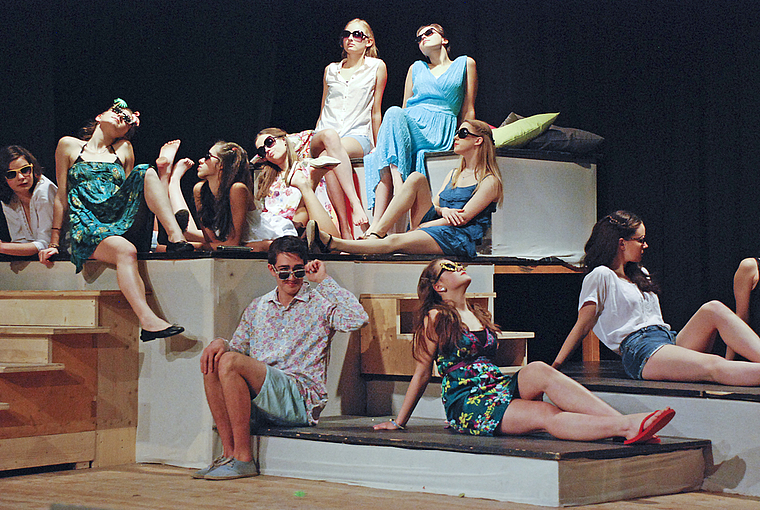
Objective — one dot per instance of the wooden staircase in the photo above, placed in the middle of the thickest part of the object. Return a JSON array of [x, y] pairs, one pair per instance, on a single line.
[[68, 378]]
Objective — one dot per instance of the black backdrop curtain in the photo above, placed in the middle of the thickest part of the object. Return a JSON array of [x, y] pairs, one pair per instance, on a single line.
[[671, 85]]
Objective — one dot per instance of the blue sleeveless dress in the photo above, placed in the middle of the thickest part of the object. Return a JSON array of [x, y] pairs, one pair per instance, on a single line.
[[103, 202], [475, 393], [427, 124], [458, 241]]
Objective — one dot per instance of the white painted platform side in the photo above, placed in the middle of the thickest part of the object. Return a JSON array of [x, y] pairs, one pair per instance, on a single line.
[[549, 206]]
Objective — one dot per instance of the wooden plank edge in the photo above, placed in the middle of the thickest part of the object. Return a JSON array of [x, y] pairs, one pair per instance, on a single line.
[[26, 452]]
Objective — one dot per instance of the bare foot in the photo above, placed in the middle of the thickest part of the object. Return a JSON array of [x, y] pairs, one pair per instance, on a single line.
[[182, 166], [166, 158], [358, 215]]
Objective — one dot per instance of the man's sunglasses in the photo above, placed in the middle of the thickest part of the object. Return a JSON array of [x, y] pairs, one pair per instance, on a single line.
[[24, 170], [284, 275]]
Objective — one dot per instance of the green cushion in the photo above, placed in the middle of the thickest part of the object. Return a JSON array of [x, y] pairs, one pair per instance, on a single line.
[[520, 132]]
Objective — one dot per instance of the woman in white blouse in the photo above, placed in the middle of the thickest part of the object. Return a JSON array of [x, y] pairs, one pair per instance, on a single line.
[[350, 116], [27, 200], [619, 301]]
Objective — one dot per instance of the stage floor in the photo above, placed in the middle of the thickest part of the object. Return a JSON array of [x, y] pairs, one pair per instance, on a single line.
[[159, 487]]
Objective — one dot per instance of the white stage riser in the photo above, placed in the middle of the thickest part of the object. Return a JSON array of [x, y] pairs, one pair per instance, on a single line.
[[732, 426], [515, 479]]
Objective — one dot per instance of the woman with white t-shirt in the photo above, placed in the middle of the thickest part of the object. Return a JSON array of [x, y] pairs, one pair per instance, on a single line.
[[350, 116], [27, 200], [619, 301]]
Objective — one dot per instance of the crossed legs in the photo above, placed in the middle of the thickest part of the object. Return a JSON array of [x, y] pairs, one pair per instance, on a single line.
[[576, 413]]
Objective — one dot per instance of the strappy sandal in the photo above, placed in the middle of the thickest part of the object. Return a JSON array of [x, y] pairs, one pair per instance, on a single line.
[[366, 236], [314, 240]]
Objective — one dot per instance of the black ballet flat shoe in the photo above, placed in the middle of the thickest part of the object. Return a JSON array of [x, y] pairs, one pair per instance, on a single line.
[[147, 336], [315, 244], [179, 247]]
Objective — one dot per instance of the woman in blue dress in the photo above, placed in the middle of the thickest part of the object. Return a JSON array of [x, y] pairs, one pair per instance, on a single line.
[[438, 95], [106, 197], [453, 222], [478, 399]]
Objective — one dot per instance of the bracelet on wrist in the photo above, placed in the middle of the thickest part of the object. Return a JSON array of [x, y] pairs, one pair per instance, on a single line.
[[398, 426], [53, 245], [55, 228]]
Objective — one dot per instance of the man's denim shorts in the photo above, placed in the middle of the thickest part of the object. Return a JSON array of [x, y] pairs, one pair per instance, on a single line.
[[638, 347], [279, 401]]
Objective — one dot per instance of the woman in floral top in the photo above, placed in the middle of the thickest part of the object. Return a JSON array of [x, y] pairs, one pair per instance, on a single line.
[[478, 398], [288, 186]]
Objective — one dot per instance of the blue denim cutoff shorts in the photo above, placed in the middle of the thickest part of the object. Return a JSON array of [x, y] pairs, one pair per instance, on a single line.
[[279, 401], [638, 347]]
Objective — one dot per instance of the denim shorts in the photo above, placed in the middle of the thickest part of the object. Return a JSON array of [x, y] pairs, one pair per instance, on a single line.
[[638, 347], [279, 401], [363, 141]]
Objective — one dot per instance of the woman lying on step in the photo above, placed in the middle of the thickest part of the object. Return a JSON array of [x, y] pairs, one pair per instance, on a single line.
[[453, 222], [619, 301], [460, 339]]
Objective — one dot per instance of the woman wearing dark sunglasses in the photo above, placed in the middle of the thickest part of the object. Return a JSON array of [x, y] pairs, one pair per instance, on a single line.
[[619, 301], [460, 338], [105, 198], [288, 186], [223, 200], [27, 198], [352, 96], [438, 95], [453, 222]]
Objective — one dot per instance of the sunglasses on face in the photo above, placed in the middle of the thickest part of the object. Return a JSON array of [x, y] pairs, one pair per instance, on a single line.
[[126, 117], [284, 274], [209, 156], [24, 170], [358, 35], [426, 33], [269, 141], [642, 239], [463, 133], [448, 266]]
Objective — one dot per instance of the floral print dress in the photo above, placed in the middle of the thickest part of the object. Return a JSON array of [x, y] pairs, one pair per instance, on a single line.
[[475, 393], [103, 202]]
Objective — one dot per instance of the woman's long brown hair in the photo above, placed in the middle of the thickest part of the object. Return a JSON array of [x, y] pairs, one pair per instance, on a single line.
[[447, 328]]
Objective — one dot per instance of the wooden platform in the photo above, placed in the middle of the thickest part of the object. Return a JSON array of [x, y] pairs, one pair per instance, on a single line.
[[542, 470], [724, 414]]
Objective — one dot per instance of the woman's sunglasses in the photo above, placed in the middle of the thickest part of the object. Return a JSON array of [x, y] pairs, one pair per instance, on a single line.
[[284, 275], [426, 33], [126, 117], [448, 266], [268, 143], [209, 156], [24, 170], [463, 133], [358, 35]]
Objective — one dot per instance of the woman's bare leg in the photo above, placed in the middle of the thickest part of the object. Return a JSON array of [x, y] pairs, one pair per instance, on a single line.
[[383, 194], [314, 207], [177, 198], [118, 251], [714, 317], [157, 198], [676, 363], [414, 241], [414, 197], [165, 160]]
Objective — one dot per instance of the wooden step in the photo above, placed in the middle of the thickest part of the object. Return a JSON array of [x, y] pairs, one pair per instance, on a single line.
[[426, 457], [51, 308], [33, 344], [16, 368]]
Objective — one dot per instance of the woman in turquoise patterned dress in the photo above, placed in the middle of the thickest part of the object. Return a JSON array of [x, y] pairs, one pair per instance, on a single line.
[[106, 198], [438, 94], [478, 398]]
